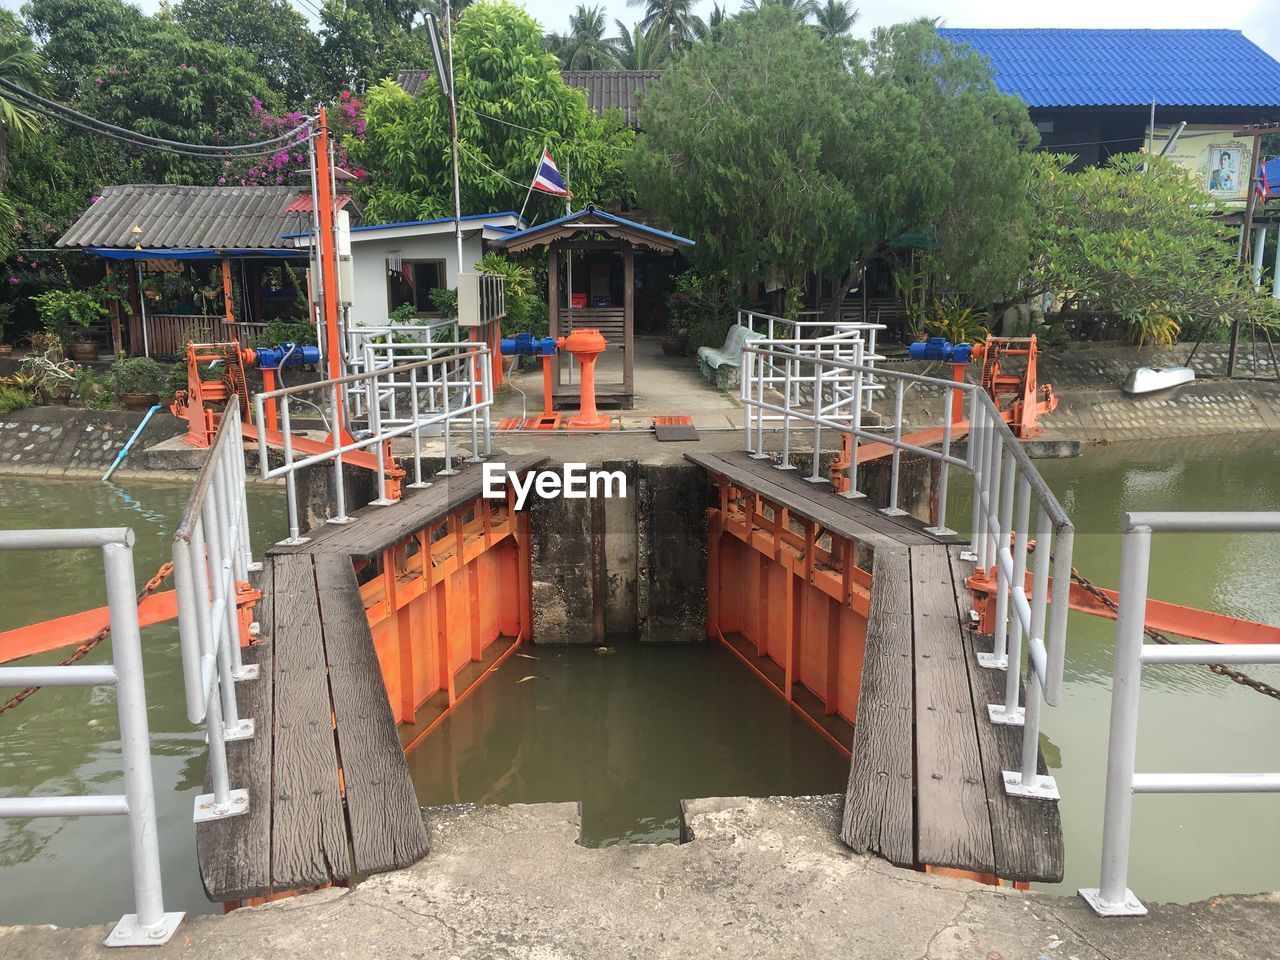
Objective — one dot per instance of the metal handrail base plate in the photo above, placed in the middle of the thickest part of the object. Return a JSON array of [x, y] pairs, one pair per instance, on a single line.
[[339, 520], [1015, 718], [242, 730], [1132, 906], [207, 807], [944, 532], [246, 671], [989, 661], [127, 933], [1045, 788]]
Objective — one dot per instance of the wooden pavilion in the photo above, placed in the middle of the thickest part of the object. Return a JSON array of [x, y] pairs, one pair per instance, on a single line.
[[591, 282]]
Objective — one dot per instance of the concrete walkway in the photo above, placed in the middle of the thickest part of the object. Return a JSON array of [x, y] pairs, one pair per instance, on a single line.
[[761, 879]]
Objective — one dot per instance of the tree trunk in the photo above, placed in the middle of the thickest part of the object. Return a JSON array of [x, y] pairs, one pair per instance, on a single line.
[[847, 281]]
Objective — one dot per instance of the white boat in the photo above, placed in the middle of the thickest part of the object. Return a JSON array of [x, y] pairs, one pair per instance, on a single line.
[[1151, 379]]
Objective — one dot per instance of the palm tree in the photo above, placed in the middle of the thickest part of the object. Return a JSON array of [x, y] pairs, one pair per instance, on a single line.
[[586, 47], [21, 64], [672, 20], [637, 48], [835, 18], [800, 10]]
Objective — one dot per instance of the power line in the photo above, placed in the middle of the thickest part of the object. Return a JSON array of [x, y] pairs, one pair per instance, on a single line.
[[59, 111]]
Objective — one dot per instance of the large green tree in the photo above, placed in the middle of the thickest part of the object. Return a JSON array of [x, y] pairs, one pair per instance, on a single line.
[[1135, 242], [512, 102], [785, 155], [285, 51]]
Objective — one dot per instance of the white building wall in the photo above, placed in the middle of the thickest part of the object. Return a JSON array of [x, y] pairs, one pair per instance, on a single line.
[[369, 267]]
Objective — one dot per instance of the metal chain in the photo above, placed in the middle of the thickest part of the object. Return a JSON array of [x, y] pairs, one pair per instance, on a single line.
[[1220, 669], [89, 645]]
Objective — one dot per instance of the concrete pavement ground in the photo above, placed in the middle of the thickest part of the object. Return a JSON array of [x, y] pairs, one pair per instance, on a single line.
[[762, 878]]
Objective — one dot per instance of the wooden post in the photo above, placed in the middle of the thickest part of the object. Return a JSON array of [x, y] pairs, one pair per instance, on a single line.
[[116, 344], [553, 304], [135, 302], [628, 318], [228, 301]]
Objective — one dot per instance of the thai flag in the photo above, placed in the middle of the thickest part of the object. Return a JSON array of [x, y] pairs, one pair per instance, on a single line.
[[1261, 185], [548, 179]]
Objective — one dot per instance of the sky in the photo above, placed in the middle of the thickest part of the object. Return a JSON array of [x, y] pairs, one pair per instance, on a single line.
[[1259, 19]]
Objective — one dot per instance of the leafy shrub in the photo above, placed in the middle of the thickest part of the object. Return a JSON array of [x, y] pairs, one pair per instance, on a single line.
[[138, 375], [277, 332], [953, 319], [527, 310], [703, 304], [65, 312], [445, 301], [11, 398]]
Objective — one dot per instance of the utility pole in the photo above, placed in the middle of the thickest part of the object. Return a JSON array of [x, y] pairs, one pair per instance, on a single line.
[[453, 120], [1246, 237], [323, 197]]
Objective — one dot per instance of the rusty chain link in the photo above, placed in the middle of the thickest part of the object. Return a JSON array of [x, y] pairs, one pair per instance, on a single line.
[[89, 645], [1220, 669]]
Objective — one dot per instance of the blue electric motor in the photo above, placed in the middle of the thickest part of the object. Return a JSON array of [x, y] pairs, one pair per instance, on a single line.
[[288, 355], [940, 348], [527, 345]]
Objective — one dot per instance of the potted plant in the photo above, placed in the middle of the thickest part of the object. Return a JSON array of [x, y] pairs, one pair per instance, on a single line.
[[957, 322], [676, 339], [139, 381], [51, 376], [67, 313]]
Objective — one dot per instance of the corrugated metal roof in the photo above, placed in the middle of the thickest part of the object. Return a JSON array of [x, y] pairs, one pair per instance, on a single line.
[[606, 89], [1092, 68], [183, 217]]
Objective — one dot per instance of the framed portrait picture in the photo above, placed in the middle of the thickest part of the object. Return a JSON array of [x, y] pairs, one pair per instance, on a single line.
[[1226, 170]]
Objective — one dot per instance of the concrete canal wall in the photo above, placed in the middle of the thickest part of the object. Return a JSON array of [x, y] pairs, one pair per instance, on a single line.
[[75, 442]]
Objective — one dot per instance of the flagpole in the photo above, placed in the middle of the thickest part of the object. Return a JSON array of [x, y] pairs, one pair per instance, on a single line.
[[536, 167], [453, 118]]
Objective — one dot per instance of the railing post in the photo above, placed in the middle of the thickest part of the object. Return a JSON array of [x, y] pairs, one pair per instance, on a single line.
[[290, 484], [815, 475], [892, 509], [339, 481], [448, 470], [1003, 508], [1112, 897], [939, 528], [744, 395], [150, 924], [977, 469], [418, 482], [855, 426], [788, 385], [1009, 712], [759, 453]]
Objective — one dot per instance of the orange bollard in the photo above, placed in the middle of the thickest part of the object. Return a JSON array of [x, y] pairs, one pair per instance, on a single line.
[[586, 345]]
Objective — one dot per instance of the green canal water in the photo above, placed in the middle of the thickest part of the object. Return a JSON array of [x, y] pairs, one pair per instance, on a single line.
[[630, 734]]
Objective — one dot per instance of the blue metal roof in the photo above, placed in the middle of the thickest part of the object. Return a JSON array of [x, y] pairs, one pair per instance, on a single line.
[[425, 223], [612, 218], [1091, 68]]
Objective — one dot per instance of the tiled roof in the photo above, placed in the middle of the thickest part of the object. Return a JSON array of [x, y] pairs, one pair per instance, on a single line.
[[1088, 68], [613, 88], [604, 88], [191, 218]]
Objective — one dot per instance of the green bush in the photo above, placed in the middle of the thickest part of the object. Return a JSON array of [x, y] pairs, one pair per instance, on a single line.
[[138, 375], [527, 310], [703, 304], [277, 332], [445, 301], [11, 398]]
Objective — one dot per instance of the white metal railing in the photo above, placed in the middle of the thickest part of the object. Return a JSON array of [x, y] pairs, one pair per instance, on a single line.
[[799, 334], [357, 337], [150, 924], [418, 391], [212, 557], [1112, 896], [1005, 481]]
